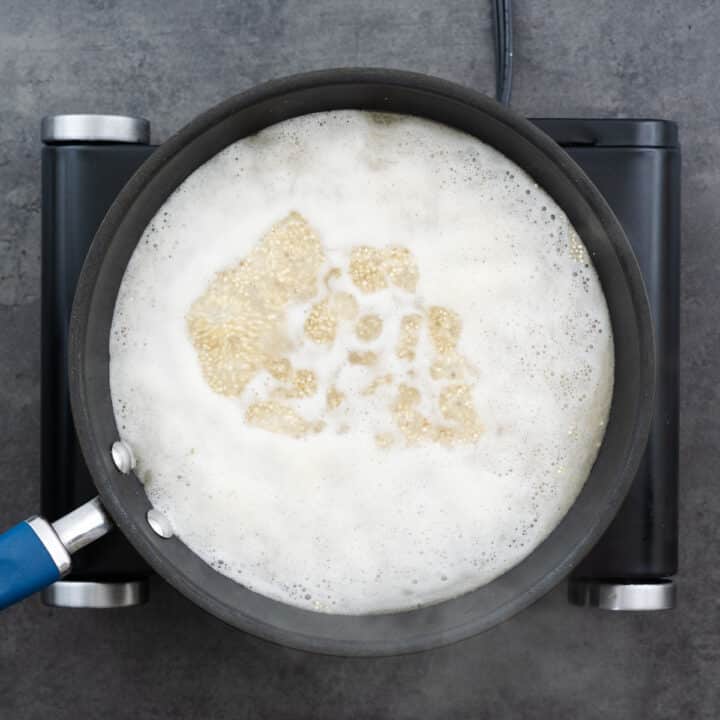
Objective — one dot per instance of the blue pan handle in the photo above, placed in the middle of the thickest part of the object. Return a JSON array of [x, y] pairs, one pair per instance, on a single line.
[[36, 553]]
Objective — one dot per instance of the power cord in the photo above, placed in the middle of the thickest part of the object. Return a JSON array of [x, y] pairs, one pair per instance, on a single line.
[[503, 50]]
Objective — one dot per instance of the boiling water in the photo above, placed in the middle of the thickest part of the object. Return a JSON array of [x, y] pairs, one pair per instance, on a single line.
[[364, 362]]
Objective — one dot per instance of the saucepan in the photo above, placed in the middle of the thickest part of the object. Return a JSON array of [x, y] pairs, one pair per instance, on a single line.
[[36, 553]]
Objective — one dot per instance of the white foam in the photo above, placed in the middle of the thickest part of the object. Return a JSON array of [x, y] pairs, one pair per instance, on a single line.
[[331, 522]]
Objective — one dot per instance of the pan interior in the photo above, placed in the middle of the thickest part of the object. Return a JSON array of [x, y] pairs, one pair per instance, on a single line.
[[456, 345]]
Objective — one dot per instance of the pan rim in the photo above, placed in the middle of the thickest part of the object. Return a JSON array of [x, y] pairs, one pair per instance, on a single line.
[[442, 90]]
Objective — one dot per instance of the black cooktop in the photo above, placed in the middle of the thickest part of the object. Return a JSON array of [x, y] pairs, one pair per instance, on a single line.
[[634, 163]]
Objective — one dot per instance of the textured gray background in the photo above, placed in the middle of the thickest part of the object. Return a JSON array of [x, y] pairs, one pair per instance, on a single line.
[[169, 61]]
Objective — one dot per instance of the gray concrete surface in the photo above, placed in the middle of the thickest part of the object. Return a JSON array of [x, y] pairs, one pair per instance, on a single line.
[[170, 60]]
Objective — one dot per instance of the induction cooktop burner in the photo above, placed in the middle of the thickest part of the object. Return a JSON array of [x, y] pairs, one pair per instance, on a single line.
[[86, 161]]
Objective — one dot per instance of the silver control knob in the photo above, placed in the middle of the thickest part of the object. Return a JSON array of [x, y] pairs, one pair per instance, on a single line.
[[82, 594], [631, 596], [95, 128]]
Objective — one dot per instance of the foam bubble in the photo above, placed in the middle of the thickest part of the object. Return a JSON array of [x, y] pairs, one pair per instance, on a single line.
[[421, 399]]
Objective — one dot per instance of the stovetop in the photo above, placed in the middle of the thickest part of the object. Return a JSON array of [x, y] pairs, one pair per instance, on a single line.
[[86, 161]]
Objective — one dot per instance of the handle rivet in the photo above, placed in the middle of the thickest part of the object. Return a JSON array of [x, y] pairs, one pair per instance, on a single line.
[[122, 456], [159, 523]]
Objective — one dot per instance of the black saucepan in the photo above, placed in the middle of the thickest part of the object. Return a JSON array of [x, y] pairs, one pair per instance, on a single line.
[[123, 496]]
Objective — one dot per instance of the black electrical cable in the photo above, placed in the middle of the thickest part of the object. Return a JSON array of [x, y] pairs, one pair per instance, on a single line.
[[503, 50]]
